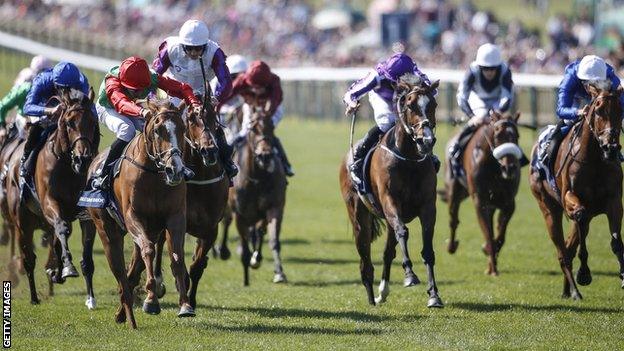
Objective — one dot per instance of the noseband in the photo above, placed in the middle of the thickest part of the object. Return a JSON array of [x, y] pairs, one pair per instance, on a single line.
[[590, 116]]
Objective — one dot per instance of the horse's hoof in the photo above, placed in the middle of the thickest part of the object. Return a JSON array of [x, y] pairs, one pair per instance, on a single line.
[[576, 296], [256, 260], [279, 278], [435, 302], [583, 277], [57, 280], [224, 253], [160, 290], [151, 308], [69, 272], [452, 246], [380, 299], [90, 303], [622, 283], [565, 295], [120, 316], [34, 301], [186, 311], [411, 280]]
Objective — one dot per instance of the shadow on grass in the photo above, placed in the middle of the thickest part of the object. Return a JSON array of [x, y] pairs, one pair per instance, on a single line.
[[557, 273], [322, 284], [338, 241], [279, 329], [499, 307], [332, 261]]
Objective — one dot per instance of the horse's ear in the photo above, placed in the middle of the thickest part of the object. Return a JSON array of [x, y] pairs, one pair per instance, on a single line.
[[434, 85], [516, 117], [592, 90], [495, 116], [91, 94], [619, 90]]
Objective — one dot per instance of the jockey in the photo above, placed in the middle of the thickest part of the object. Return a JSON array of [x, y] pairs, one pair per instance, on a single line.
[[260, 87], [590, 70], [380, 84], [237, 65], [15, 98], [65, 77], [194, 59], [117, 109], [37, 64], [487, 85]]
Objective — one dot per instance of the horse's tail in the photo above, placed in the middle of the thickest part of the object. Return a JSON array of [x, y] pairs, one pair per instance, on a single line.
[[443, 195], [377, 226]]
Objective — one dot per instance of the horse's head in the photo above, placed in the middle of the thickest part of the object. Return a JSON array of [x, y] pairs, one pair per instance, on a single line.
[[200, 135], [416, 107], [163, 134], [505, 143], [261, 139], [605, 120], [78, 129]]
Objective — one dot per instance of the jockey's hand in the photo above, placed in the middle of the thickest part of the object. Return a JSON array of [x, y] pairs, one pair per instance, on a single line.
[[196, 109], [51, 111], [582, 111], [146, 113], [351, 109]]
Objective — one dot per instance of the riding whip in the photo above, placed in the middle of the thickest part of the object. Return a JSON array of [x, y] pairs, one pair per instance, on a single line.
[[353, 114]]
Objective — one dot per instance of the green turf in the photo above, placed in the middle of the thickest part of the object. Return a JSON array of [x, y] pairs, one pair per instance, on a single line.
[[324, 306]]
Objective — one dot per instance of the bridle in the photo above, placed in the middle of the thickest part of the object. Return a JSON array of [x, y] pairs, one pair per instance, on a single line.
[[402, 110], [590, 116], [72, 145], [205, 132], [160, 157]]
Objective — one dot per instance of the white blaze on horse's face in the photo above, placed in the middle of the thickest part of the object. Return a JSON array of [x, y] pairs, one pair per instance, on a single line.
[[423, 102], [175, 160]]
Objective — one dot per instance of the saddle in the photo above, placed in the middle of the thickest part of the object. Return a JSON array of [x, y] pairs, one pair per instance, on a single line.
[[540, 159], [364, 190]]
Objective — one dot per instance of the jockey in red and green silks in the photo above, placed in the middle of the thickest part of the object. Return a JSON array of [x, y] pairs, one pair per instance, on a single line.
[[15, 98]]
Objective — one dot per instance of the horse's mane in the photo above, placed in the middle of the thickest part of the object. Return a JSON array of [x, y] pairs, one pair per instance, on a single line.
[[412, 79]]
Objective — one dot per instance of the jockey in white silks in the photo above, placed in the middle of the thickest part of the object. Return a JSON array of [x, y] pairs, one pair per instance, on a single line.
[[237, 65]]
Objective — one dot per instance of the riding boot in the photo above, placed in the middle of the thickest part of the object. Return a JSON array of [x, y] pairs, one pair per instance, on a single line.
[[553, 145], [282, 154], [101, 179], [361, 149], [225, 153], [28, 161], [457, 148]]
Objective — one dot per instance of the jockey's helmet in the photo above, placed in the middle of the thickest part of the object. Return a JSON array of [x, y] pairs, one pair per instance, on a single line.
[[489, 55], [236, 64], [258, 74], [39, 63], [134, 73], [592, 68], [66, 75], [396, 66], [194, 33]]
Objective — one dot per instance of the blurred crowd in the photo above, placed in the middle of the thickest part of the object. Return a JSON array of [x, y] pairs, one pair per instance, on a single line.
[[284, 33]]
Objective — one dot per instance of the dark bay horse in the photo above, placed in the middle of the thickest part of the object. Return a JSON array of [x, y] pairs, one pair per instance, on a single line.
[[151, 196], [403, 183], [206, 196], [60, 175], [492, 175], [589, 182], [258, 196]]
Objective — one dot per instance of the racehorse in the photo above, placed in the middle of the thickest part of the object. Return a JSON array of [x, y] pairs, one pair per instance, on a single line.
[[151, 197], [403, 186], [60, 175], [206, 199], [589, 183], [491, 166], [258, 196]]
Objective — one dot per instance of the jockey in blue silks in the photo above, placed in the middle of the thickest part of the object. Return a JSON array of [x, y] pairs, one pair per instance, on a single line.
[[573, 95], [380, 84], [64, 78]]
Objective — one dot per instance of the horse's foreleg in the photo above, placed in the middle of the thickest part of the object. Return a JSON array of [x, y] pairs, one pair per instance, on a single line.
[[614, 216], [388, 255], [62, 231], [222, 250], [160, 288], [363, 232], [199, 264], [88, 268], [257, 238], [135, 268], [402, 235], [274, 219], [583, 275], [454, 200], [485, 216], [427, 223], [243, 233], [504, 216], [25, 241], [176, 230]]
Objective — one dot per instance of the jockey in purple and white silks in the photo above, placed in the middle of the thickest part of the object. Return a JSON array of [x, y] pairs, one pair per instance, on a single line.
[[572, 95], [380, 84], [487, 85], [182, 58]]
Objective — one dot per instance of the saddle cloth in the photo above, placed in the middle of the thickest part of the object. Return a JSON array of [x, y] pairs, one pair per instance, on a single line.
[[539, 161]]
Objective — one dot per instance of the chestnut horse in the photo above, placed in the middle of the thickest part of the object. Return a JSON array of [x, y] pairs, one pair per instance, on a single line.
[[403, 183], [589, 180], [206, 199], [258, 196], [491, 166], [60, 175], [151, 197]]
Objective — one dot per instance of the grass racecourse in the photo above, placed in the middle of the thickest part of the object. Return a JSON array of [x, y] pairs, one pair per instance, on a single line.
[[324, 305]]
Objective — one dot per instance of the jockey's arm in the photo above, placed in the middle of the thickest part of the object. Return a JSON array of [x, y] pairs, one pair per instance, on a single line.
[[507, 93], [361, 87], [565, 97], [119, 100], [463, 92], [178, 89], [15, 97], [161, 62], [222, 73], [42, 88]]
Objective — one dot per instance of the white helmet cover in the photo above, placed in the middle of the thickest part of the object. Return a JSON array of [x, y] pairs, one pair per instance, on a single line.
[[39, 63], [489, 55], [236, 64], [194, 33], [592, 68]]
